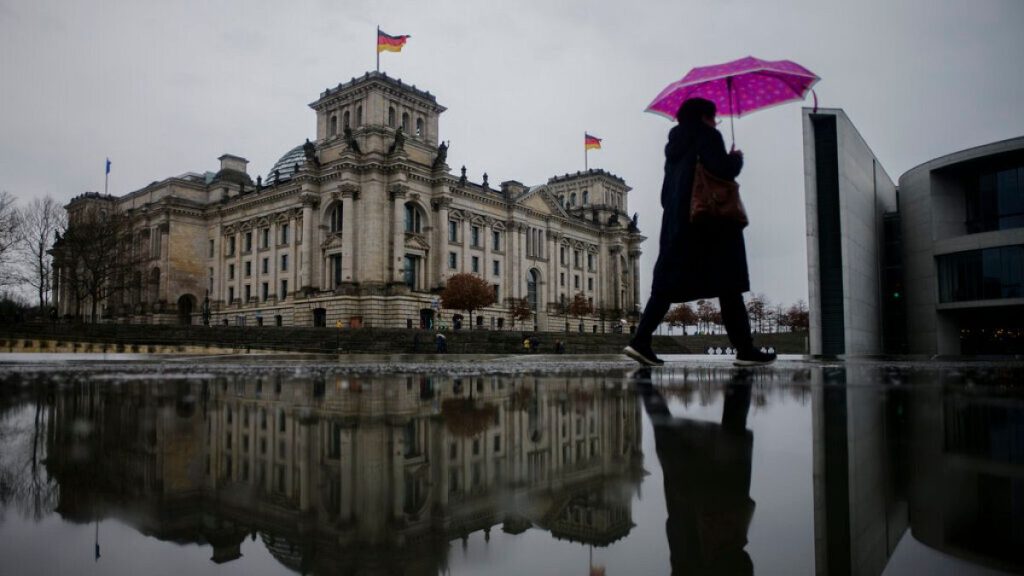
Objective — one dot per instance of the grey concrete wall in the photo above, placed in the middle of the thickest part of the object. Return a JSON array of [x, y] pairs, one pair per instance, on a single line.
[[866, 192]]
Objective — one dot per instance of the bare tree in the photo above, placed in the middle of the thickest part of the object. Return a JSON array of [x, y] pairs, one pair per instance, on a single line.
[[467, 292], [706, 311], [797, 317], [10, 233], [519, 309], [97, 258], [40, 222], [580, 307]]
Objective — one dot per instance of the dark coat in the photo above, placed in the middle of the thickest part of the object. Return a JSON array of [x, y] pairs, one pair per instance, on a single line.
[[701, 260]]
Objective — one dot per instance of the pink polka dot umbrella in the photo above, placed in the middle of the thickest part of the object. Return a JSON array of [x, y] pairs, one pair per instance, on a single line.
[[738, 87]]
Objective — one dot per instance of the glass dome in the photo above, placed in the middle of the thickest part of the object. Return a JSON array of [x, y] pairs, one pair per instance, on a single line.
[[286, 166]]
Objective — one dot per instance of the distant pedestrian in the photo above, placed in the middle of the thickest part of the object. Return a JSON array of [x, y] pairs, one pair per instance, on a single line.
[[526, 345], [559, 347], [442, 343], [534, 344], [703, 259]]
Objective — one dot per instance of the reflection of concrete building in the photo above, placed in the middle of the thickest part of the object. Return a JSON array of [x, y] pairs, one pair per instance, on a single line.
[[365, 224], [938, 458], [936, 268], [351, 473]]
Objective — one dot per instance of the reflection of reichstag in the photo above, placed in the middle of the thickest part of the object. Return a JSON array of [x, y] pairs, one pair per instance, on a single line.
[[343, 475]]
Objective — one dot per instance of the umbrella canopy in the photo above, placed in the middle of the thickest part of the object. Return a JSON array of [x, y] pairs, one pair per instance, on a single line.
[[738, 87]]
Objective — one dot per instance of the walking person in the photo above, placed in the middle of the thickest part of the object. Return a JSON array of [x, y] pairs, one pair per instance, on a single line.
[[704, 259]]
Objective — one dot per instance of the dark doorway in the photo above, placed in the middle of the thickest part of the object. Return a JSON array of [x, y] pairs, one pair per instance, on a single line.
[[319, 317], [426, 318], [186, 304]]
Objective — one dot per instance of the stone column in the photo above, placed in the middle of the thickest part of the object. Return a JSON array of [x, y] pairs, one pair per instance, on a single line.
[[634, 259], [511, 283], [465, 242], [309, 201], [349, 194], [617, 278], [524, 265], [440, 247], [397, 194], [485, 238]]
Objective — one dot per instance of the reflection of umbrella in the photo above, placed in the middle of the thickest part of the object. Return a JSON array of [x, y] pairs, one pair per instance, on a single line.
[[738, 87], [463, 417]]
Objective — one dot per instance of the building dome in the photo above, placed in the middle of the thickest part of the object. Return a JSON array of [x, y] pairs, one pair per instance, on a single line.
[[286, 166]]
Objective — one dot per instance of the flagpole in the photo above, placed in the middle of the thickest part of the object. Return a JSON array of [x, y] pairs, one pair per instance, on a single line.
[[106, 176], [586, 154], [376, 47]]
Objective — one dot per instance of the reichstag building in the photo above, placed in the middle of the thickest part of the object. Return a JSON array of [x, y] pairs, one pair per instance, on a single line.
[[363, 226]]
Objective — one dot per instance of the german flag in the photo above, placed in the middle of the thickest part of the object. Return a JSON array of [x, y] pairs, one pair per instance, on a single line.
[[389, 43], [591, 142]]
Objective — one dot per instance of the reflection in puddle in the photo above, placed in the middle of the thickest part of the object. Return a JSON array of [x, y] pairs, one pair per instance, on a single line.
[[693, 471]]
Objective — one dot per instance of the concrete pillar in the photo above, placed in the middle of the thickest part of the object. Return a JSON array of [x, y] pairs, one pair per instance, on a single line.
[[617, 277], [397, 195], [634, 259]]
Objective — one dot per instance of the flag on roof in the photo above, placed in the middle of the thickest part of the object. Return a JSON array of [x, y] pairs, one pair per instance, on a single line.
[[591, 142], [389, 43]]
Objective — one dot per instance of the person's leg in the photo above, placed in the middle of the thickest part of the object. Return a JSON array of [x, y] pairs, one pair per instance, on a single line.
[[653, 314], [736, 321]]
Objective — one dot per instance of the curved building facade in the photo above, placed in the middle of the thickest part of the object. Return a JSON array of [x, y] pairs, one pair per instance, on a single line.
[[963, 251]]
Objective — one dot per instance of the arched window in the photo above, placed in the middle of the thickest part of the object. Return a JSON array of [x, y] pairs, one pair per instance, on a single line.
[[332, 126], [345, 120], [419, 128], [405, 122], [532, 282], [586, 197], [391, 116], [336, 218], [572, 199], [359, 115], [413, 218]]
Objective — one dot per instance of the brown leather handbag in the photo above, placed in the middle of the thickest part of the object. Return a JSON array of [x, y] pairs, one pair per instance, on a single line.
[[715, 199]]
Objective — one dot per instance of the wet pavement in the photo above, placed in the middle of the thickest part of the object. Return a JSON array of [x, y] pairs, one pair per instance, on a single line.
[[279, 464]]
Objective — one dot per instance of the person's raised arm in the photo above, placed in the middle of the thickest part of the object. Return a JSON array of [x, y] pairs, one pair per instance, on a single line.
[[715, 159]]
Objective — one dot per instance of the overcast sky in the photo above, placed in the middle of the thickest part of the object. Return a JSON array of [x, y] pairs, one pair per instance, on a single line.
[[164, 88]]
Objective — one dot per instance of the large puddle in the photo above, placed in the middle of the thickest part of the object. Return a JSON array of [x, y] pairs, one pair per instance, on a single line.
[[862, 469]]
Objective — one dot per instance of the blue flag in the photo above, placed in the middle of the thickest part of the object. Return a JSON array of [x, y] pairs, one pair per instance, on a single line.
[[108, 165]]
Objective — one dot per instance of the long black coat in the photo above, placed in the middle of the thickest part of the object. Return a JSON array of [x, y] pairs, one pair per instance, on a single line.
[[701, 260]]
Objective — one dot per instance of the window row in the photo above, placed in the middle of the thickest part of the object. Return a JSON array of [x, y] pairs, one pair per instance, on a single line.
[[476, 237], [247, 267], [264, 292], [346, 121], [283, 237]]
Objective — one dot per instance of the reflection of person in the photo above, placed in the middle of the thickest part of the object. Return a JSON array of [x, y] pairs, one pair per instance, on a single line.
[[706, 469], [702, 259]]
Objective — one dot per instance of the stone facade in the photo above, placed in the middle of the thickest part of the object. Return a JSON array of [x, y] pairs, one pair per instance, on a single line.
[[365, 225]]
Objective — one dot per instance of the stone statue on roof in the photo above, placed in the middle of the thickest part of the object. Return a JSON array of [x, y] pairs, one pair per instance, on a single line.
[[351, 142], [442, 156]]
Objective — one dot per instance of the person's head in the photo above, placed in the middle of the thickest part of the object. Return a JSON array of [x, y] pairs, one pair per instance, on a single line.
[[697, 111]]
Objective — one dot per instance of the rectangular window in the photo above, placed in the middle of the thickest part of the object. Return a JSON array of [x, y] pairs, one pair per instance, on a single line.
[[211, 248], [474, 232], [561, 279], [576, 281], [476, 264], [497, 267], [497, 442], [248, 241], [590, 262], [209, 288], [453, 231], [231, 246], [266, 266], [265, 238], [576, 258], [248, 292], [497, 298], [284, 290], [988, 274], [284, 262], [561, 255], [495, 240], [284, 233], [248, 268], [231, 294], [453, 260], [266, 291], [336, 269], [590, 284], [231, 271]]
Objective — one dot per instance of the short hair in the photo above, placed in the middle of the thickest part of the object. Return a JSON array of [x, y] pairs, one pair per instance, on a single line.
[[696, 109]]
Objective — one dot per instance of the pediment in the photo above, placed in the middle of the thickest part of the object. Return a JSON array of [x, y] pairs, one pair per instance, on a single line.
[[540, 201], [416, 241]]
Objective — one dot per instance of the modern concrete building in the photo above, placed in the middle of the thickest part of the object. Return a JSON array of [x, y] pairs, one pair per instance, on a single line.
[[963, 251], [933, 266], [363, 226], [848, 195]]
